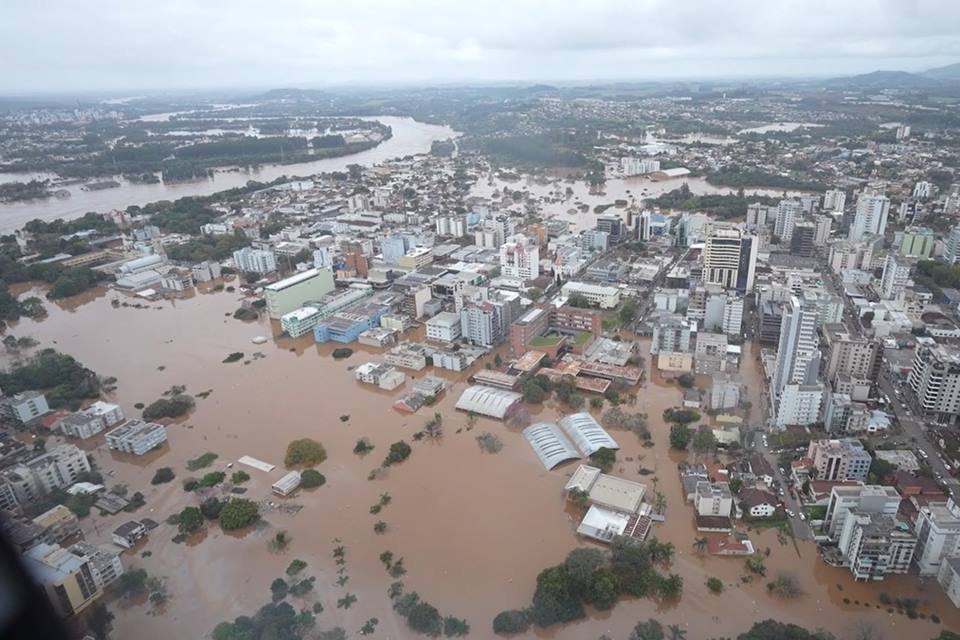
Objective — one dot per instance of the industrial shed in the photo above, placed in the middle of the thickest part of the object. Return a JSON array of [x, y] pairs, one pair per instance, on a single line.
[[549, 443], [586, 433], [489, 401]]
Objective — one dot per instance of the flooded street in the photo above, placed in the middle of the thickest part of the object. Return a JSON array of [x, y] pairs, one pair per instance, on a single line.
[[563, 204], [409, 137], [458, 516]]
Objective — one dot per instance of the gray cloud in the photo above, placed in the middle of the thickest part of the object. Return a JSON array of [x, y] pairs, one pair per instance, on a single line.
[[138, 45]]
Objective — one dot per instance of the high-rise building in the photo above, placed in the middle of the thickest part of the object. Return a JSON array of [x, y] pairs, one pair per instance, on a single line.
[[951, 251], [255, 260], [856, 357], [844, 459], [871, 498], [520, 258], [67, 579], [935, 380], [393, 247], [938, 535], [799, 404], [729, 257], [871, 216], [672, 334], [758, 215], [798, 351], [823, 226], [896, 277], [788, 213], [804, 239], [874, 545], [834, 200]]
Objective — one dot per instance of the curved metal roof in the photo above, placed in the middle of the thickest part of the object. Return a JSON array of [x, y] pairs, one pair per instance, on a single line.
[[488, 401], [549, 443], [586, 433]]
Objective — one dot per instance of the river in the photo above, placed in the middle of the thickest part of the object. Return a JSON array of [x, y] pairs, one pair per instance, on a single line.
[[409, 138], [474, 528]]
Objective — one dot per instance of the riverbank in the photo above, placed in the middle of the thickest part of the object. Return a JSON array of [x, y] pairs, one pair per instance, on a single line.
[[409, 137]]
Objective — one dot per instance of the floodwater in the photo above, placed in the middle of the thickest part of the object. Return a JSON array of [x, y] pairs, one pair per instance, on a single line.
[[779, 127], [409, 138], [474, 529], [557, 202]]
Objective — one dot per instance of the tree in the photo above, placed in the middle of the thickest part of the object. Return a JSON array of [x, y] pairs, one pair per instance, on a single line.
[[533, 393], [604, 589], [311, 478], [511, 621], [649, 630], [555, 599], [189, 521], [704, 440], [399, 451], [132, 582], [304, 452], [686, 380], [715, 584], [676, 632], [211, 508], [786, 585], [700, 544], [679, 436], [238, 513], [424, 618], [453, 627], [162, 475], [735, 485], [239, 477], [879, 470], [755, 564], [604, 458], [100, 621], [583, 562], [279, 589], [774, 630]]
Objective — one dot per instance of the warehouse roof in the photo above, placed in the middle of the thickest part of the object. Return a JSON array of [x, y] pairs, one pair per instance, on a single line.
[[550, 444], [586, 433], [488, 401]]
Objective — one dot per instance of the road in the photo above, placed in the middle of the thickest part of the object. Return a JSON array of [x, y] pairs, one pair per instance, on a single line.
[[916, 430], [801, 530]]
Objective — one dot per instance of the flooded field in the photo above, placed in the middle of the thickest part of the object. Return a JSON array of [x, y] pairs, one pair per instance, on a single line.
[[564, 199], [474, 529]]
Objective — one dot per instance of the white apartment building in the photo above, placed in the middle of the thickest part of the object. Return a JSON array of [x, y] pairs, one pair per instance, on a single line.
[[520, 258], [871, 498], [799, 404], [896, 277], [842, 459], [255, 260], [871, 216], [137, 437], [788, 214], [300, 321], [599, 295], [444, 326], [874, 546], [938, 535], [798, 350], [834, 200], [28, 405], [56, 469], [729, 255], [713, 499], [935, 380]]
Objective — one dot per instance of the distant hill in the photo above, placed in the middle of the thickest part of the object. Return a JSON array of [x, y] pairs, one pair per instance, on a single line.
[[949, 72], [886, 80]]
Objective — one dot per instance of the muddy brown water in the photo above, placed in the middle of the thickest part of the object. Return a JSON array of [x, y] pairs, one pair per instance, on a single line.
[[474, 529]]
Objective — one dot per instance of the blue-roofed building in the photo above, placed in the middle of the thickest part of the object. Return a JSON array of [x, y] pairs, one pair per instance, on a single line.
[[347, 325]]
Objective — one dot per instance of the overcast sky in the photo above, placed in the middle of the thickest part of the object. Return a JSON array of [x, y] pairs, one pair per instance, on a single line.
[[51, 45]]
